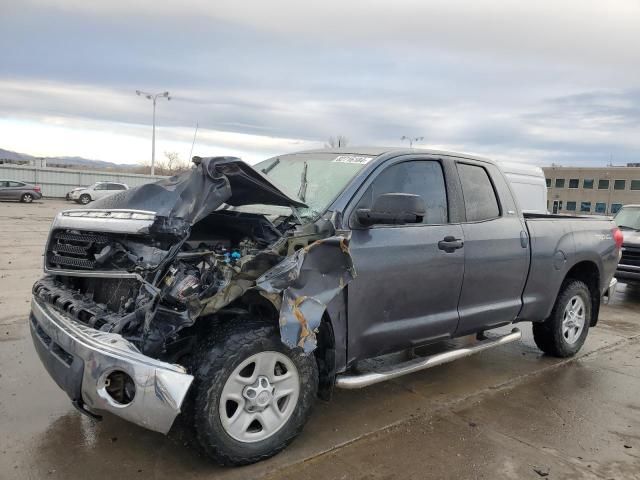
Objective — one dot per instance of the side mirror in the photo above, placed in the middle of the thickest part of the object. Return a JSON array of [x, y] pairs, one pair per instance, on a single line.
[[393, 209]]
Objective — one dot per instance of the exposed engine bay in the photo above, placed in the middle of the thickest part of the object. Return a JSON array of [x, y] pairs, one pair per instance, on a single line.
[[151, 283]]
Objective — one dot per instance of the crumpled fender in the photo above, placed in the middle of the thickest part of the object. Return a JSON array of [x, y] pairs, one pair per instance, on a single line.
[[308, 280]]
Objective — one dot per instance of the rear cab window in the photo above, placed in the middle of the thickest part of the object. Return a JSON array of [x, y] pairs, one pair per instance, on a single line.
[[480, 200]]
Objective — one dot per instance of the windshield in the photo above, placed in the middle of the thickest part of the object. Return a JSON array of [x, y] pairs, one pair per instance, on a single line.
[[628, 217], [314, 178]]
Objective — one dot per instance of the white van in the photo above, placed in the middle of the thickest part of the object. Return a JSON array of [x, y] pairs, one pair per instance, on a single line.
[[529, 185]]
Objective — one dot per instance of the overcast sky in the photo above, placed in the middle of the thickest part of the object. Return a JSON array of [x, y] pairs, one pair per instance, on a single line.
[[537, 81]]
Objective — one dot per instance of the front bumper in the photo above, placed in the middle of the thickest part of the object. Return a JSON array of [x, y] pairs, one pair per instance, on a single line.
[[80, 359]]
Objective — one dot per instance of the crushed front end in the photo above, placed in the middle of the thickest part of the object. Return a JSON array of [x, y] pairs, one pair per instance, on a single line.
[[134, 282]]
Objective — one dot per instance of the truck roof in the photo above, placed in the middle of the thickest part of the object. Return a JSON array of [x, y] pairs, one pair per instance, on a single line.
[[377, 151]]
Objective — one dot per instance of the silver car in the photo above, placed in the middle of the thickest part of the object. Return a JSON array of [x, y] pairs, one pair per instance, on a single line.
[[21, 191], [96, 191]]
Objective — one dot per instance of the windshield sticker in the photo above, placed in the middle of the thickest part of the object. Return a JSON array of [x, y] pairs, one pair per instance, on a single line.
[[352, 159]]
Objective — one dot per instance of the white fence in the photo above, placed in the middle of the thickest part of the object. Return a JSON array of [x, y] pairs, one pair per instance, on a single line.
[[56, 182]]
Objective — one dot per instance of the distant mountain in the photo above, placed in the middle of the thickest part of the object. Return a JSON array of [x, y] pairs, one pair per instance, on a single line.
[[67, 161]]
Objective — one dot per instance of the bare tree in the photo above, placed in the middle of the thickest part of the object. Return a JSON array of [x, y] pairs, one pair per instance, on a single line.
[[338, 141], [172, 164]]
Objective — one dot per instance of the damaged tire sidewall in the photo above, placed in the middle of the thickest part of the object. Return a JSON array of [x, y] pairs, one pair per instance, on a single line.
[[216, 362]]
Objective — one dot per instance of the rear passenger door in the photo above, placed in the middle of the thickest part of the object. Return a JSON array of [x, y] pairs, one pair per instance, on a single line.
[[15, 190], [496, 249]]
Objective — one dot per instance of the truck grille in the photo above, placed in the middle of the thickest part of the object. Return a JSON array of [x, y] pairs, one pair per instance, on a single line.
[[97, 304], [74, 250], [630, 256]]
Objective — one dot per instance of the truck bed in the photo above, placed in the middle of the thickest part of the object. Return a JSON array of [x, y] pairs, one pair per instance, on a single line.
[[561, 242]]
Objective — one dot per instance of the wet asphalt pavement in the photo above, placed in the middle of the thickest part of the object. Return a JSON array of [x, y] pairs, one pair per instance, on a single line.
[[505, 413]]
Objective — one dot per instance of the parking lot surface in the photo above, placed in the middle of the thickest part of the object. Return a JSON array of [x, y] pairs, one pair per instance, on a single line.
[[505, 413]]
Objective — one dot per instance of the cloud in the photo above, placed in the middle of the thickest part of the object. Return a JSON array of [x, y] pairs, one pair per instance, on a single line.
[[540, 81]]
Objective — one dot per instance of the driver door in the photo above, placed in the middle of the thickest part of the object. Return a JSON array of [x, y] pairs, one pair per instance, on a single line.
[[99, 191], [407, 287], [4, 189]]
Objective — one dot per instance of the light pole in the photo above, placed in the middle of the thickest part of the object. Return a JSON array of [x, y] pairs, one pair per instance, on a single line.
[[153, 97], [412, 140]]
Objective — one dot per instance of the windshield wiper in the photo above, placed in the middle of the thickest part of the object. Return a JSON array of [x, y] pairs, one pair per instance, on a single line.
[[270, 167], [302, 192]]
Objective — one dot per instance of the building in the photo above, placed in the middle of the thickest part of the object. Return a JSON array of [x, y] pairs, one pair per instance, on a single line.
[[596, 191], [30, 161]]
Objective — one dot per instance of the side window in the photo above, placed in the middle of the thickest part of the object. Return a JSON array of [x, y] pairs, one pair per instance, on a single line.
[[16, 184], [118, 186], [113, 186], [418, 177], [479, 197], [100, 186], [4, 184]]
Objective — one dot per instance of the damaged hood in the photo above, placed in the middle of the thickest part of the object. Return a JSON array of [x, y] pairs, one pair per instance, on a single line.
[[193, 195]]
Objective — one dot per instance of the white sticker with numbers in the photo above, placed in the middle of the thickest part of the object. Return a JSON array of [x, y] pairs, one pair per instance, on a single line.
[[352, 159]]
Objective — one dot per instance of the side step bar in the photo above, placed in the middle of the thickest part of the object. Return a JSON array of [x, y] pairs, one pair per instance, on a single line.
[[359, 381]]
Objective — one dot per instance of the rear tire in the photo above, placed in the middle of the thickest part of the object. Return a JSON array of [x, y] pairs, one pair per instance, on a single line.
[[85, 198], [26, 198], [565, 331], [229, 360]]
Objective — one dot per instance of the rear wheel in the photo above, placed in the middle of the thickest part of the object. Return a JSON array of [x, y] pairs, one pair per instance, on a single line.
[[565, 331], [85, 198], [252, 394], [26, 198]]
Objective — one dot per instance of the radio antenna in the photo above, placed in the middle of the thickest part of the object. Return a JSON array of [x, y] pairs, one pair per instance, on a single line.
[[194, 140]]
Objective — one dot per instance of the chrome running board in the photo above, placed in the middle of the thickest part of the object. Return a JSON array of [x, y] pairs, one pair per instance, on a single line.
[[359, 381]]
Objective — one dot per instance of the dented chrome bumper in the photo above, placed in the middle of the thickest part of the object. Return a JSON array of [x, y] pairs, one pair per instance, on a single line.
[[80, 359], [610, 291]]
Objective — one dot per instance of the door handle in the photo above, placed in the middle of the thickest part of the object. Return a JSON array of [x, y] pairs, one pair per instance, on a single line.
[[450, 244]]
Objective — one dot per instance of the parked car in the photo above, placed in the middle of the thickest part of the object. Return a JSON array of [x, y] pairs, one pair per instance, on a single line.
[[628, 220], [21, 191], [96, 191], [253, 290]]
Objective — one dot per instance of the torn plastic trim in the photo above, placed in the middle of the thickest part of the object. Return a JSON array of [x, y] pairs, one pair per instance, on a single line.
[[308, 280]]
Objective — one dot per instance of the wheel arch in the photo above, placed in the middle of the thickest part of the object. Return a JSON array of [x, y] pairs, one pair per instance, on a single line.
[[331, 335], [589, 273]]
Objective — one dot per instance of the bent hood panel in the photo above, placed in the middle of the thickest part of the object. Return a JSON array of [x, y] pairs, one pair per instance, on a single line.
[[192, 195]]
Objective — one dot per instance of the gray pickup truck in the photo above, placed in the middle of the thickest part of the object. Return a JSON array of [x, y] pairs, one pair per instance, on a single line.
[[238, 295]]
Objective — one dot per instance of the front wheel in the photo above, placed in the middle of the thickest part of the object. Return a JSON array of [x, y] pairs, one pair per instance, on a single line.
[[85, 198], [565, 331], [252, 394]]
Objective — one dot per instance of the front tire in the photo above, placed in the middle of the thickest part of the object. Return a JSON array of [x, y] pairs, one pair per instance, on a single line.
[[565, 331], [85, 198], [252, 394]]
